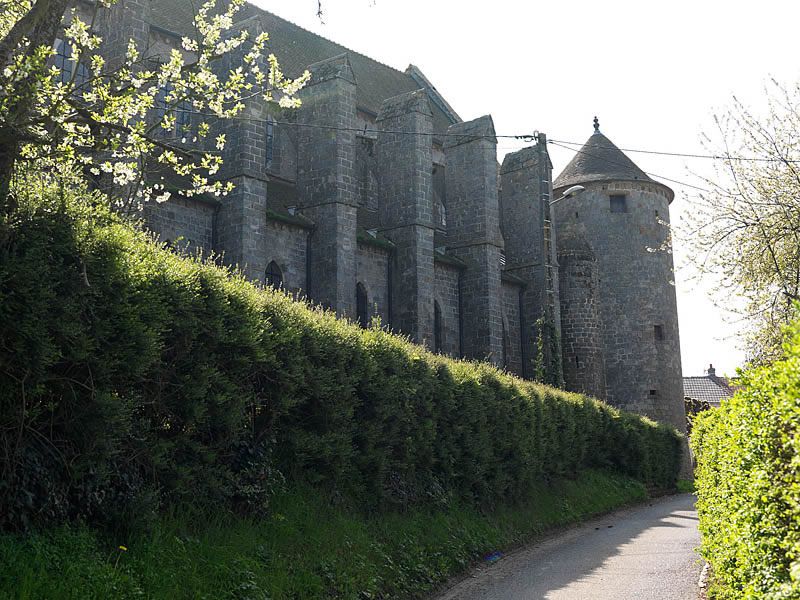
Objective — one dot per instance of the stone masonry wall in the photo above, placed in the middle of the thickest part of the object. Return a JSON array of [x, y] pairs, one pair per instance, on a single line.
[[242, 227], [511, 320], [124, 21], [189, 219], [327, 184], [372, 272], [287, 245], [524, 179], [473, 228], [581, 329], [635, 294], [406, 211], [446, 294]]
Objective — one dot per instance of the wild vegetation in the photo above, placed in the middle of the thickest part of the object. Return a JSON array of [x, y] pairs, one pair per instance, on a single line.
[[748, 482], [744, 230], [305, 547]]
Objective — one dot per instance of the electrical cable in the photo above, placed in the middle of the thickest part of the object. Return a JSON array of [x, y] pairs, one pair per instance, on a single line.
[[612, 162]]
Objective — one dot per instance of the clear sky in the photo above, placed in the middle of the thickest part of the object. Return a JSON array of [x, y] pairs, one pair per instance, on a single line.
[[654, 74]]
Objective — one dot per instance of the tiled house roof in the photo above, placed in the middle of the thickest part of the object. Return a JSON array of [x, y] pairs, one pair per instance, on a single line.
[[297, 48], [708, 388]]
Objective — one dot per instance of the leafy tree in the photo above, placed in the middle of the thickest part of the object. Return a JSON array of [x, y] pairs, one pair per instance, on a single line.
[[107, 119], [746, 229]]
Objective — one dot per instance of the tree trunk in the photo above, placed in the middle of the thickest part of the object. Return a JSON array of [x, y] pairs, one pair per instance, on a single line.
[[40, 26]]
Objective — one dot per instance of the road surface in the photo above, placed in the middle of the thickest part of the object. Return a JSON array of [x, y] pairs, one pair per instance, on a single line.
[[646, 553]]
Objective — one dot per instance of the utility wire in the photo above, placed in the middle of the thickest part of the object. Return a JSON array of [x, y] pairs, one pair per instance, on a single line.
[[613, 162], [686, 155], [522, 137], [525, 137]]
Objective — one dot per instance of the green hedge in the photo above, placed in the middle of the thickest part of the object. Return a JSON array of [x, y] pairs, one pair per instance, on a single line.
[[133, 379], [748, 483]]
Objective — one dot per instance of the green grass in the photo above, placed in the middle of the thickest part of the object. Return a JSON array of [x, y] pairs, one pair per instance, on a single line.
[[685, 486], [307, 547]]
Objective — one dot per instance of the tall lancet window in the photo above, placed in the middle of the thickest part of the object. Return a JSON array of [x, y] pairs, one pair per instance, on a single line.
[[437, 327], [274, 276], [362, 305]]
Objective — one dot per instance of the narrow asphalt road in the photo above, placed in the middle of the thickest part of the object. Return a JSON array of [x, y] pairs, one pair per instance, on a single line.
[[646, 552]]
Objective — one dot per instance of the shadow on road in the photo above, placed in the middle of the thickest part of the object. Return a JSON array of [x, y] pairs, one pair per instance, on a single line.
[[644, 552]]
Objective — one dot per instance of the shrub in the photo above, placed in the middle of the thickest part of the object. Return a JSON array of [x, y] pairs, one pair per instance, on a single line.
[[134, 379], [748, 482]]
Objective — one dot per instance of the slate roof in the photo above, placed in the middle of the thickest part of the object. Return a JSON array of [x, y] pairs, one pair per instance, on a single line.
[[600, 160], [708, 388], [296, 48]]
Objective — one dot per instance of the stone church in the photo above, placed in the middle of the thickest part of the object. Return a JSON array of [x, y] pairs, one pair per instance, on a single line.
[[376, 199]]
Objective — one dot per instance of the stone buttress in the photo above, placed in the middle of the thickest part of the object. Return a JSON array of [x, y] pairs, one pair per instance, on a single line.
[[327, 183], [473, 229], [525, 193], [241, 224], [404, 160]]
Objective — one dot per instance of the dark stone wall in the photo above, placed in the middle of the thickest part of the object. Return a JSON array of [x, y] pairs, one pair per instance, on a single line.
[[405, 165], [372, 271], [242, 227], [473, 231], [326, 182], [287, 245], [446, 294], [525, 190], [124, 21], [581, 329], [513, 330], [635, 293], [192, 220]]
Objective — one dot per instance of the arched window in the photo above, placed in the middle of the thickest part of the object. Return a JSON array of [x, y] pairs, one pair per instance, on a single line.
[[182, 113], [183, 118], [274, 276], [362, 304], [437, 327], [65, 65], [270, 141], [505, 345]]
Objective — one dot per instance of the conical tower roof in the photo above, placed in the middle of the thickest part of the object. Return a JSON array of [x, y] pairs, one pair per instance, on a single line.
[[600, 160]]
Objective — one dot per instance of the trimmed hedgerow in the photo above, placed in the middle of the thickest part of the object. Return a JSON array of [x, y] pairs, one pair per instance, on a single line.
[[748, 483], [133, 379]]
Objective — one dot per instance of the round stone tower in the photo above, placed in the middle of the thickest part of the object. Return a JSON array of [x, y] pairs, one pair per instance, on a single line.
[[581, 331], [622, 215]]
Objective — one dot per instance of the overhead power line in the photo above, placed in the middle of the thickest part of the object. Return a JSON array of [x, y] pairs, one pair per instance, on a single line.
[[525, 137], [618, 164], [687, 154]]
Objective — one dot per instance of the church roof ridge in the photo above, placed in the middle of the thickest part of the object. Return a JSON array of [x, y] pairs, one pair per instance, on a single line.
[[297, 47]]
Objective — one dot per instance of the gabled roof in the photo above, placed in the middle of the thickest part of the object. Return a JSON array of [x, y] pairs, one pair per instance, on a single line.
[[600, 160], [708, 388], [297, 48]]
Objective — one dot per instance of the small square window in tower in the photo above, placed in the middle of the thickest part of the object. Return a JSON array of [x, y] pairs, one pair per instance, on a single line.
[[619, 203], [658, 332]]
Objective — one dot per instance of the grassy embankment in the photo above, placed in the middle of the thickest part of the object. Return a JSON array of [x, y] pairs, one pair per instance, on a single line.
[[305, 548]]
